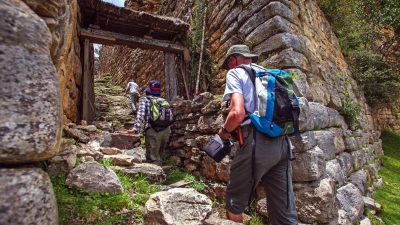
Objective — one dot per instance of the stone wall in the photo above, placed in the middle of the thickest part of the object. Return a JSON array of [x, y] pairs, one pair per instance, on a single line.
[[387, 120], [292, 35], [122, 68], [32, 34], [62, 20], [334, 167]]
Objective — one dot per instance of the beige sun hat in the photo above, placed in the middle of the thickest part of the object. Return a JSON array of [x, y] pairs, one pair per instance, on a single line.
[[241, 50]]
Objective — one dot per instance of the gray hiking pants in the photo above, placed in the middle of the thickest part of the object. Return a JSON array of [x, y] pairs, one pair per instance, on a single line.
[[273, 167], [133, 97], [155, 143]]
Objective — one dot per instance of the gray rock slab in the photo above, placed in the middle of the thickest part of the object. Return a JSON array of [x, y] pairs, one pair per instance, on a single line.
[[27, 197], [94, 177], [316, 201], [179, 206], [124, 141], [30, 102], [153, 172], [351, 201]]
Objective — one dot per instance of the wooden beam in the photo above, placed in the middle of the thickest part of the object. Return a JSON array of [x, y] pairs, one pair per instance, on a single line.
[[86, 74], [170, 77], [111, 38]]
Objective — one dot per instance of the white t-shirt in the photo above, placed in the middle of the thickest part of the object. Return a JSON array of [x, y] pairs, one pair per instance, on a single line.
[[238, 81], [133, 87]]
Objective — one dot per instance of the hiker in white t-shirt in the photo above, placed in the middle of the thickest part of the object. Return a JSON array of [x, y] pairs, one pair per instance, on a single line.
[[134, 95], [261, 157]]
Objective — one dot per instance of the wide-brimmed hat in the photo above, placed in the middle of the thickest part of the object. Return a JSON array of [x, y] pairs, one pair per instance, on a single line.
[[154, 87], [240, 50]]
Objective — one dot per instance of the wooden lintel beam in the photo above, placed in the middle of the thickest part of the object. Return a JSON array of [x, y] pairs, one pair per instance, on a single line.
[[111, 38]]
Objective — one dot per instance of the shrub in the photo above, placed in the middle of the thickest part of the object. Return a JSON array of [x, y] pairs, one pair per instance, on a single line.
[[351, 111], [376, 79]]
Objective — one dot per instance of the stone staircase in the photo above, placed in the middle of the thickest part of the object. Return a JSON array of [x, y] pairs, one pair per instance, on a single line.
[[111, 104], [88, 145]]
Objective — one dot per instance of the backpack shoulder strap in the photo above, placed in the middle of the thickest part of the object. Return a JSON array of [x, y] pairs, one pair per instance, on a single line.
[[252, 74], [250, 71], [150, 98]]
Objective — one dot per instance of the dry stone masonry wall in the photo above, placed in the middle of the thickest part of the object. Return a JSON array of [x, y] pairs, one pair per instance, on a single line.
[[333, 160], [123, 65], [331, 163], [30, 114], [41, 89]]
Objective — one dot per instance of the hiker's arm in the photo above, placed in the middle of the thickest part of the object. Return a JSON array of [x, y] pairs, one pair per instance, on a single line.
[[140, 115], [235, 116], [126, 89]]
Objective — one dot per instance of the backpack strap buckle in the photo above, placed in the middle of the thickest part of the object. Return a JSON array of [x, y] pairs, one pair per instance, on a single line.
[[294, 103]]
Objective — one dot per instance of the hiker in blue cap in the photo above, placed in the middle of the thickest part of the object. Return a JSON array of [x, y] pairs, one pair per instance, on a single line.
[[260, 157], [156, 137]]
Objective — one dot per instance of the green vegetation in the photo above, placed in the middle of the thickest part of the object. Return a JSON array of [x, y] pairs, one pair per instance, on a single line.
[[351, 111], [67, 142], [369, 37], [76, 206], [87, 207], [197, 184], [257, 220], [200, 78], [97, 91], [117, 89], [107, 162], [317, 127], [118, 125], [254, 217], [177, 175], [388, 194], [294, 76], [378, 81]]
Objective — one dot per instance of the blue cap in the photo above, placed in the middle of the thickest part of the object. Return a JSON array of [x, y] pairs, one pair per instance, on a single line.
[[154, 87]]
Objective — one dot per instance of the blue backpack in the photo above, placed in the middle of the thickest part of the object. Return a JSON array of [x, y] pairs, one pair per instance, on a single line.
[[278, 106]]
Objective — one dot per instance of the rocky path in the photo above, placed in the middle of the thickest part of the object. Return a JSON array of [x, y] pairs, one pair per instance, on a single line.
[[86, 146]]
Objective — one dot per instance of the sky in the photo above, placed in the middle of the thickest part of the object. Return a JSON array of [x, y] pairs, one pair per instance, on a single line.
[[119, 3]]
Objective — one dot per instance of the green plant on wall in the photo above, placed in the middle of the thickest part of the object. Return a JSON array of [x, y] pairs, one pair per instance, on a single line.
[[351, 111]]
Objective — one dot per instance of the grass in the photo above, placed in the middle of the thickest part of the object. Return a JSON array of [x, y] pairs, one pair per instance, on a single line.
[[177, 175], [78, 207], [67, 142], [388, 194], [117, 89]]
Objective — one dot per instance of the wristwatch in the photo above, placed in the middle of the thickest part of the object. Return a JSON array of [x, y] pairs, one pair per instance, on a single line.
[[224, 130]]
